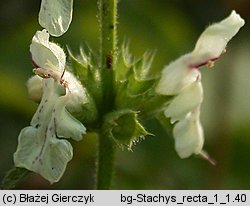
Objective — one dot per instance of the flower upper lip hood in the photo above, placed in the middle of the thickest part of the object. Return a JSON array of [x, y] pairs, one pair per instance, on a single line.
[[46, 54], [212, 42]]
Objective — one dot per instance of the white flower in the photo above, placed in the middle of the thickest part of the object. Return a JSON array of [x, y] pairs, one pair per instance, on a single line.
[[42, 146], [182, 78], [55, 16], [211, 44]]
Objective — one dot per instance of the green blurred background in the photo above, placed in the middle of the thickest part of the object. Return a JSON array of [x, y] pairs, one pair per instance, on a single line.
[[171, 27]]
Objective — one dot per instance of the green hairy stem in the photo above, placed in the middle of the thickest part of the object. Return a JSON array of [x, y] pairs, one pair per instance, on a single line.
[[108, 56]]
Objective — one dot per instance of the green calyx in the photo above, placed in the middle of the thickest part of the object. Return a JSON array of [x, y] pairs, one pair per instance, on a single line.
[[87, 73], [135, 82], [132, 96], [123, 128]]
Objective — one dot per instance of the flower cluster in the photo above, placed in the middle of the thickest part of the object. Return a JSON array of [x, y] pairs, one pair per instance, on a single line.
[[42, 146]]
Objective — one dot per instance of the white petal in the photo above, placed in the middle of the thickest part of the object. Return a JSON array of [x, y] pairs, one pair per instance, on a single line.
[[39, 149], [66, 125], [60, 55], [45, 155], [46, 54], [56, 16], [176, 76], [214, 39], [188, 135], [190, 98], [44, 110]]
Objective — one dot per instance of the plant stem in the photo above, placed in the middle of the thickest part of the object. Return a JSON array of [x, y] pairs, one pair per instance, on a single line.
[[105, 164], [108, 56], [108, 50], [108, 30]]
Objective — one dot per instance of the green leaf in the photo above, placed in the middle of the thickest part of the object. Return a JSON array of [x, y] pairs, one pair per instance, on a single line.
[[124, 128]]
